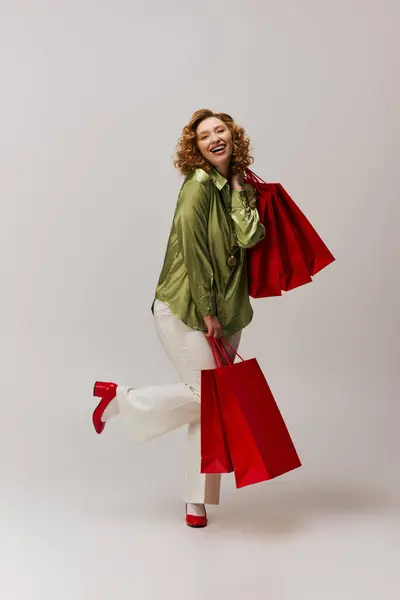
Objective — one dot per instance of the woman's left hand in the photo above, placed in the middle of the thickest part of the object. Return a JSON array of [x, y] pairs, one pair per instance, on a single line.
[[237, 182]]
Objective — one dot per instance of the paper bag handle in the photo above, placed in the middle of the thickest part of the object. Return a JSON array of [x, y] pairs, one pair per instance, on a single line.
[[219, 344]]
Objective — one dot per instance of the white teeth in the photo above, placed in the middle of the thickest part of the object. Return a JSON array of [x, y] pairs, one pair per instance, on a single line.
[[218, 148]]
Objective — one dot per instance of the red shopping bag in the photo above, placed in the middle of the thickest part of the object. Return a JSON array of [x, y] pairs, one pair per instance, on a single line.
[[291, 243], [264, 258], [215, 456], [259, 443], [293, 268], [315, 252]]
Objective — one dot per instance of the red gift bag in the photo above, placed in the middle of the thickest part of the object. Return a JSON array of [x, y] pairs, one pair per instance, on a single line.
[[315, 252], [215, 456], [258, 440], [291, 243], [264, 258], [293, 268]]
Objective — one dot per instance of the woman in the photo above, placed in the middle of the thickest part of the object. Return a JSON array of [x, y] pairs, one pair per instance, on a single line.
[[202, 293]]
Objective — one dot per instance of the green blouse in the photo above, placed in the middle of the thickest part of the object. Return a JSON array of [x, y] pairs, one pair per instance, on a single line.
[[198, 277]]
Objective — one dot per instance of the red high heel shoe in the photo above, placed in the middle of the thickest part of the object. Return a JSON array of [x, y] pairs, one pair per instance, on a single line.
[[195, 521], [107, 392]]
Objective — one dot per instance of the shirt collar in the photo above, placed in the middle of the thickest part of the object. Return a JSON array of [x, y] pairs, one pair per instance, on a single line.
[[219, 180]]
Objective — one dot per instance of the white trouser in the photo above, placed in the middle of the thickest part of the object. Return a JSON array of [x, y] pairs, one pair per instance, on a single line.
[[152, 411]]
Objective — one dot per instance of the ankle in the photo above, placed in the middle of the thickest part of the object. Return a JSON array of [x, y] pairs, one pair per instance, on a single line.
[[197, 510]]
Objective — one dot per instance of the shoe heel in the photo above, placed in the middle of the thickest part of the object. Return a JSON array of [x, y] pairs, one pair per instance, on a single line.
[[100, 389]]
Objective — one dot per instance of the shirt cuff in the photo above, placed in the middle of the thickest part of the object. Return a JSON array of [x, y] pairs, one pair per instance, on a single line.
[[206, 305]]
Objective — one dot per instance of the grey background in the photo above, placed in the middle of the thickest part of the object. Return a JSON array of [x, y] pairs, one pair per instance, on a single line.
[[93, 98]]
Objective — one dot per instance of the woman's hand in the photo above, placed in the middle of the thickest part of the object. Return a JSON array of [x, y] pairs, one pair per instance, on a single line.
[[213, 326], [237, 182]]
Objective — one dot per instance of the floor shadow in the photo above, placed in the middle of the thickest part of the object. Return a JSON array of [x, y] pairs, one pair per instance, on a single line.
[[280, 513], [285, 513]]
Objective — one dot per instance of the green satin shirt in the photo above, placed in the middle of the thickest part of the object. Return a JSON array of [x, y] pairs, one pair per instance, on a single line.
[[210, 224]]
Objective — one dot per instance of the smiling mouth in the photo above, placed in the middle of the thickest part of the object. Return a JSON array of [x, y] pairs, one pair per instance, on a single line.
[[219, 149]]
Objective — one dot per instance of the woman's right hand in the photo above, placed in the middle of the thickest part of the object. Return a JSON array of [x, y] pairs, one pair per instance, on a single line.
[[214, 328]]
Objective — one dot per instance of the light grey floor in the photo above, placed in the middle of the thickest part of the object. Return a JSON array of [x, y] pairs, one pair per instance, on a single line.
[[100, 542]]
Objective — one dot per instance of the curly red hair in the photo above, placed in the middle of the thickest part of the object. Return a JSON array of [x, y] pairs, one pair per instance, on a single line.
[[188, 156]]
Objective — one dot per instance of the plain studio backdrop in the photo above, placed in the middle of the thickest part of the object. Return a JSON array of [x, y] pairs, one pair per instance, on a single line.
[[94, 95]]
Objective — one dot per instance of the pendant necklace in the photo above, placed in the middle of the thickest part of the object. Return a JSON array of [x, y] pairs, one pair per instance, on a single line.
[[232, 260]]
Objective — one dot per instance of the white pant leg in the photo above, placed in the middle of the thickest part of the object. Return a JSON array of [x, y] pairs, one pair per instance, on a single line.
[[154, 410]]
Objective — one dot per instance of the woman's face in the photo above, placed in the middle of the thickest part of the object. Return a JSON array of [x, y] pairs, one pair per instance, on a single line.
[[214, 141]]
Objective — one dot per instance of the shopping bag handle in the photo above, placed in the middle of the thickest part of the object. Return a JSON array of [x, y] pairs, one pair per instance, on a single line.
[[235, 352], [219, 344], [217, 358], [253, 178]]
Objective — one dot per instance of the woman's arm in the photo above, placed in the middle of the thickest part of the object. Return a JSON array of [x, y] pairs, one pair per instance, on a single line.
[[249, 229], [191, 224]]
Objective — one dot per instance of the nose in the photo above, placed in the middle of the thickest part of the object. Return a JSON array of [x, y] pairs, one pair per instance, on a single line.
[[214, 138]]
